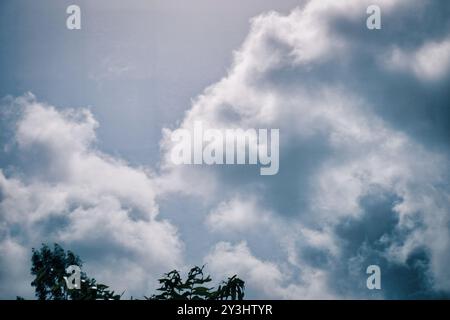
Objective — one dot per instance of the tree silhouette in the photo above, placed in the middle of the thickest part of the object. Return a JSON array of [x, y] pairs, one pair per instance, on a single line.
[[49, 268], [194, 288]]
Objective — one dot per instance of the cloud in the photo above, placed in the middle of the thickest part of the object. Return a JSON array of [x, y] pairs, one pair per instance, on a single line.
[[64, 190], [14, 270], [237, 214], [312, 75], [430, 62], [265, 277]]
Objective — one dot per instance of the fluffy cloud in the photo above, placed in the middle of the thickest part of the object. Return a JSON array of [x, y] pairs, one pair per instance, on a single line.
[[237, 215], [14, 269], [64, 190], [430, 62], [267, 278], [344, 158]]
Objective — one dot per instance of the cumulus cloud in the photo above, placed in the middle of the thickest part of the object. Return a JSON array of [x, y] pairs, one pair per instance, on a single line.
[[14, 270], [325, 88], [68, 192], [430, 62], [237, 214], [266, 277]]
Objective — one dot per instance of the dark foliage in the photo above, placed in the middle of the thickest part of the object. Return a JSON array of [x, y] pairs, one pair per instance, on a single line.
[[49, 268], [195, 287]]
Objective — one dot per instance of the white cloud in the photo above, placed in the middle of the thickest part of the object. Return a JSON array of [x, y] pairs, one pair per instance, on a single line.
[[264, 277], [271, 85], [430, 62], [78, 196], [238, 214], [14, 269]]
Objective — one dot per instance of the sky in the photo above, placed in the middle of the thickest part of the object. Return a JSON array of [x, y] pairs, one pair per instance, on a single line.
[[86, 118]]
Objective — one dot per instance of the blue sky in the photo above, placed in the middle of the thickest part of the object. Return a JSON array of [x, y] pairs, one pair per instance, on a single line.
[[86, 117]]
